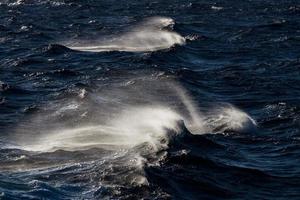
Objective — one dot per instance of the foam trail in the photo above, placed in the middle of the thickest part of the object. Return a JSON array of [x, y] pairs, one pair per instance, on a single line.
[[150, 35]]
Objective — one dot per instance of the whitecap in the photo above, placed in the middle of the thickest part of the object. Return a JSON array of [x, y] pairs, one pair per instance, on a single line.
[[152, 34]]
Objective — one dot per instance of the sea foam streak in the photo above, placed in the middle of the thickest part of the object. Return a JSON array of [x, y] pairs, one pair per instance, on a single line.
[[149, 35]]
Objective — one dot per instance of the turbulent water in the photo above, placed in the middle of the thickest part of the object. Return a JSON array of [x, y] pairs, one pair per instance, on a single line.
[[149, 99]]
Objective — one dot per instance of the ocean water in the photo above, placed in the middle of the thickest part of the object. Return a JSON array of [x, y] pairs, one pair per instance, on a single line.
[[149, 99]]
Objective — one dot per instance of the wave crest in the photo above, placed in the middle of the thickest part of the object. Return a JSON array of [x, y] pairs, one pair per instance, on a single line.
[[150, 35]]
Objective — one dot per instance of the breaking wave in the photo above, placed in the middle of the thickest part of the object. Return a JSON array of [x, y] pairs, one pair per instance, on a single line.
[[145, 110], [150, 35], [129, 125]]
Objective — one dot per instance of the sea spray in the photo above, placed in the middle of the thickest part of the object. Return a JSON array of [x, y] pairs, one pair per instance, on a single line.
[[151, 34], [127, 115]]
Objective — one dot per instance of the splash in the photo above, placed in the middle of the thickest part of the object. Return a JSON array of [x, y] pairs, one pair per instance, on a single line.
[[151, 35]]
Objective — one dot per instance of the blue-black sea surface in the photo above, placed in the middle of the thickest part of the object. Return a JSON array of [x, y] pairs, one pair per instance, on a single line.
[[167, 99]]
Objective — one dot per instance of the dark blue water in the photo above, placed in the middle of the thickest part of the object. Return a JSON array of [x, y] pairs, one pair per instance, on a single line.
[[149, 99]]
